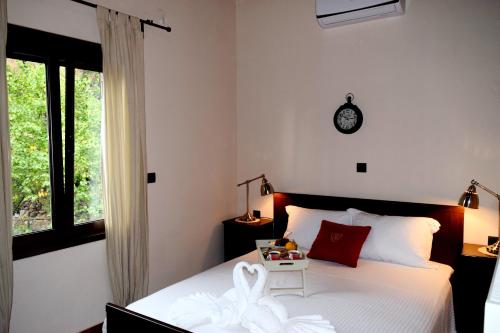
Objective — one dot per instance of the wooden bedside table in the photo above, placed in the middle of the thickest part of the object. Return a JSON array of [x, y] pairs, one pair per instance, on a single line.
[[239, 237], [471, 282]]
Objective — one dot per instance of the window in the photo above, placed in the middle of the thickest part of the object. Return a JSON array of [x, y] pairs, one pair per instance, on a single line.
[[55, 104]]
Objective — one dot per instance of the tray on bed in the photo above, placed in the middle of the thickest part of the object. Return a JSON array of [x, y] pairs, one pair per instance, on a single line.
[[265, 245]]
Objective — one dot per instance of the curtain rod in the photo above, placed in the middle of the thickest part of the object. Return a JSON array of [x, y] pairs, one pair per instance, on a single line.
[[148, 22]]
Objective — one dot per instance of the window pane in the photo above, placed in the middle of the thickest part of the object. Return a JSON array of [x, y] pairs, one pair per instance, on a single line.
[[62, 87], [29, 146], [88, 183]]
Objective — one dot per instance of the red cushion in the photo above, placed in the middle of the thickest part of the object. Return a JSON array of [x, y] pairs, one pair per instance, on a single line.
[[339, 243]]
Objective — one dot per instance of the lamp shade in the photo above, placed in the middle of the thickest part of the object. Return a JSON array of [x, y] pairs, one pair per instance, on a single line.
[[266, 187], [469, 198]]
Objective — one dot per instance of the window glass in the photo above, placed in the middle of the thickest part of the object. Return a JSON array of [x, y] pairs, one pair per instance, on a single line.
[[62, 87], [88, 182], [28, 120]]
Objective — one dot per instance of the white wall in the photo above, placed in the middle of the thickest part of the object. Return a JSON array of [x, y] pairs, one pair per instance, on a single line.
[[191, 142], [62, 291], [427, 83]]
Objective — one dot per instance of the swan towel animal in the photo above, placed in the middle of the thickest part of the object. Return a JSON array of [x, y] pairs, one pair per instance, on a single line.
[[243, 305]]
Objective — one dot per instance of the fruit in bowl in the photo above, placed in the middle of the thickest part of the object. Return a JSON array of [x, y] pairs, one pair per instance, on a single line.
[[291, 245]]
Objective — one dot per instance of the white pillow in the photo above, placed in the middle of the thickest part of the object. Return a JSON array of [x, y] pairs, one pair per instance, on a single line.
[[304, 223], [398, 239]]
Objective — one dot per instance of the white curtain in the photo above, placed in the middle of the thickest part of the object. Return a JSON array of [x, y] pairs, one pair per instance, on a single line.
[[5, 186], [124, 155]]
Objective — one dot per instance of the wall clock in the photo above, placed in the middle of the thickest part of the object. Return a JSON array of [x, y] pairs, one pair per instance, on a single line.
[[348, 117]]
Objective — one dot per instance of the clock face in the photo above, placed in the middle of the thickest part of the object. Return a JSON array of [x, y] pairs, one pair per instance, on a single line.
[[348, 118]]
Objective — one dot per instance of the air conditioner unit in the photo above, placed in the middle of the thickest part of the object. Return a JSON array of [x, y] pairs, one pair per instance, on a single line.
[[332, 13]]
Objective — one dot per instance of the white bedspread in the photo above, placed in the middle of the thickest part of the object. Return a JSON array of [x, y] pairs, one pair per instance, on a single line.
[[375, 297]]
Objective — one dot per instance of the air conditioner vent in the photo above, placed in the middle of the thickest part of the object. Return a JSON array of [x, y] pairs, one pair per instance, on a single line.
[[331, 13]]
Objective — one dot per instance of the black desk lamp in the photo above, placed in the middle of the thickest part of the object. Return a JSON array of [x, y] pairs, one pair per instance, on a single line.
[[265, 189], [470, 199]]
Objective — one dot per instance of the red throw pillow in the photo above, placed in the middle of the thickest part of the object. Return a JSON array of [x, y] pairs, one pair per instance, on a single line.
[[339, 243]]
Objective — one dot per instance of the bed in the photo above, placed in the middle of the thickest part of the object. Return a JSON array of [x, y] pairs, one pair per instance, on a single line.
[[374, 297]]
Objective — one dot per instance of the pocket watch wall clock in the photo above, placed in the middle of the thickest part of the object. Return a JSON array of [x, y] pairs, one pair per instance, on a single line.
[[348, 117]]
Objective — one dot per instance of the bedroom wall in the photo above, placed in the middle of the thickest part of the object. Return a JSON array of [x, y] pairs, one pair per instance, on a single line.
[[191, 145], [427, 83]]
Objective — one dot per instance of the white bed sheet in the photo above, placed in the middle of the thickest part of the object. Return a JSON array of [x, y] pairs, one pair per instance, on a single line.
[[375, 297]]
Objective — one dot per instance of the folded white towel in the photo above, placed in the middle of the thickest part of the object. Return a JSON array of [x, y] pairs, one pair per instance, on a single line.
[[200, 308], [250, 307], [182, 312], [270, 316], [265, 314]]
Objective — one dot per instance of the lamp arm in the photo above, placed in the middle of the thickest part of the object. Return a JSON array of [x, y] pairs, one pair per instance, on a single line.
[[496, 195], [246, 182]]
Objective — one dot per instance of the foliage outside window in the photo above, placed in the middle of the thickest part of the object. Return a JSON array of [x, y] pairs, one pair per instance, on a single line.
[[87, 166], [30, 150], [29, 146]]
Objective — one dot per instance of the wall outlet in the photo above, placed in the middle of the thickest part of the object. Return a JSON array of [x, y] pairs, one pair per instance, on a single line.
[[151, 177], [361, 167]]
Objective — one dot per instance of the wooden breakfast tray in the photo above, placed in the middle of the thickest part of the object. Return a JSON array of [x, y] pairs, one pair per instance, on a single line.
[[279, 265]]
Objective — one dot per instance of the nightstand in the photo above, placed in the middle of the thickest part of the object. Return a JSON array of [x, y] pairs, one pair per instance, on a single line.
[[239, 237], [471, 282]]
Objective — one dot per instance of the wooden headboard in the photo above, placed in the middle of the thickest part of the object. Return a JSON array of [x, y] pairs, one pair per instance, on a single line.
[[447, 243]]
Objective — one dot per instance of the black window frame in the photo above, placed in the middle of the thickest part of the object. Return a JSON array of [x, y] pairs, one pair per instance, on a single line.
[[57, 51]]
